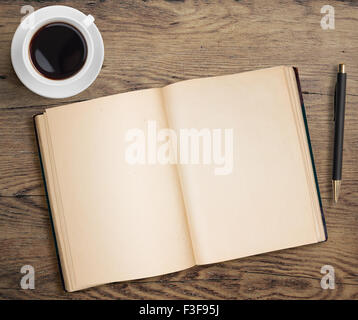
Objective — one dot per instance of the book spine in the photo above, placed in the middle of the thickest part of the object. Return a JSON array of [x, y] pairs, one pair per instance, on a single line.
[[311, 152]]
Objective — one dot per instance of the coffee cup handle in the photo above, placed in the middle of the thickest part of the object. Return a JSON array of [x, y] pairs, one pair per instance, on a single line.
[[88, 21]]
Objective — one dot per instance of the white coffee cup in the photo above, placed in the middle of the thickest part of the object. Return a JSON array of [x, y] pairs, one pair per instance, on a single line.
[[32, 78]]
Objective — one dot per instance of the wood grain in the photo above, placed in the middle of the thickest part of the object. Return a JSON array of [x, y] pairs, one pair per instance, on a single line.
[[154, 43]]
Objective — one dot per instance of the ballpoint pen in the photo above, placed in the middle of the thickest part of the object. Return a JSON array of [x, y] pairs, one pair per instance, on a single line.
[[339, 109]]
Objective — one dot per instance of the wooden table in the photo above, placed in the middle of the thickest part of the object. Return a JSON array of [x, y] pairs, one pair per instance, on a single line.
[[151, 44]]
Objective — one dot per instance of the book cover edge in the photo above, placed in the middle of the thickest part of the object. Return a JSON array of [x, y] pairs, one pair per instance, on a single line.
[[48, 202], [295, 69]]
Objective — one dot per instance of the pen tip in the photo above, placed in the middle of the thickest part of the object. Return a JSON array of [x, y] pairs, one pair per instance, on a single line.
[[336, 189]]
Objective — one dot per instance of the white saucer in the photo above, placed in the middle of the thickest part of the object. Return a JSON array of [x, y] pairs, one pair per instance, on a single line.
[[31, 78]]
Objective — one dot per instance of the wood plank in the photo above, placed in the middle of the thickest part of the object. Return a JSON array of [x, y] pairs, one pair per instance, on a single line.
[[153, 43], [245, 286], [26, 238]]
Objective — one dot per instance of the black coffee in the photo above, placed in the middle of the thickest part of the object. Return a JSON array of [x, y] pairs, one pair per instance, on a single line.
[[58, 50]]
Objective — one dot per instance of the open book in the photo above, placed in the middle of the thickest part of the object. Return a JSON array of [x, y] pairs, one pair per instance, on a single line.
[[201, 171]]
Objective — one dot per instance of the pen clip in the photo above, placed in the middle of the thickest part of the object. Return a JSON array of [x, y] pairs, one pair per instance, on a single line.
[[335, 103]]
